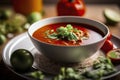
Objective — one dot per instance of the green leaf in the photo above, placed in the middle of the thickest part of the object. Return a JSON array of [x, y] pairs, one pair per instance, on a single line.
[[72, 36], [52, 36], [61, 29], [76, 30], [66, 33], [62, 32], [69, 27]]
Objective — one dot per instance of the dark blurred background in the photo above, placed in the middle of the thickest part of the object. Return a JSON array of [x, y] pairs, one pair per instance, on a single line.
[[7, 2]]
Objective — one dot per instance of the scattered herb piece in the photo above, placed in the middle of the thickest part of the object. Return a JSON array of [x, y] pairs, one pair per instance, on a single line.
[[68, 74], [100, 68], [2, 39], [37, 75]]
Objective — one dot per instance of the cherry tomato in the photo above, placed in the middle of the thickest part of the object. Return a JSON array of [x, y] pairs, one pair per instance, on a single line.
[[109, 36], [108, 45]]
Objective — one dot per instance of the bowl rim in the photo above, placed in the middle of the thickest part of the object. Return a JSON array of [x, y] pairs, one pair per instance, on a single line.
[[57, 17]]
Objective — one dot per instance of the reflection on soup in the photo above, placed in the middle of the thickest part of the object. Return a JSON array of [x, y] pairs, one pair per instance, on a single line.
[[68, 34]]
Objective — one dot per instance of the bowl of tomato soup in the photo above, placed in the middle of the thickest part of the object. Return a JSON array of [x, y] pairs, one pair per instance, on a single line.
[[68, 38]]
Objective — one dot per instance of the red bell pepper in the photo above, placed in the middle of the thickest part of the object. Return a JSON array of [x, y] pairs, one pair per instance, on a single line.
[[71, 8]]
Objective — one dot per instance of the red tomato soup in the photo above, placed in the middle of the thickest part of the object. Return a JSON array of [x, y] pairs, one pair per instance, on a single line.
[[68, 34]]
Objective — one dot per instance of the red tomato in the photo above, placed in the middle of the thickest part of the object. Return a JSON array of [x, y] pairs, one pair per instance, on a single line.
[[109, 36], [71, 7], [108, 45]]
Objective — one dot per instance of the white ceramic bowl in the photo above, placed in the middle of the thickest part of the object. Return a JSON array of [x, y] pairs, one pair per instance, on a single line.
[[68, 53]]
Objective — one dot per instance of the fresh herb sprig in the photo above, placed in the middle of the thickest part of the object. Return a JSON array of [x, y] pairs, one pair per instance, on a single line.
[[67, 33]]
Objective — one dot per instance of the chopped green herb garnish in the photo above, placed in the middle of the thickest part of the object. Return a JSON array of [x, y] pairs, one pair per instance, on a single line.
[[72, 36], [67, 33], [53, 36]]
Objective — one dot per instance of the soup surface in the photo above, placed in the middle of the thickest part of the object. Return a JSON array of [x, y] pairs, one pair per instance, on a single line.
[[68, 34]]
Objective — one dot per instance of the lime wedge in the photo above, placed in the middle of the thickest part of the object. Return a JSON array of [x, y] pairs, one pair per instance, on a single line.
[[111, 16]]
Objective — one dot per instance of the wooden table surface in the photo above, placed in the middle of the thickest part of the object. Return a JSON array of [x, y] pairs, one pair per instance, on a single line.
[[94, 12]]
